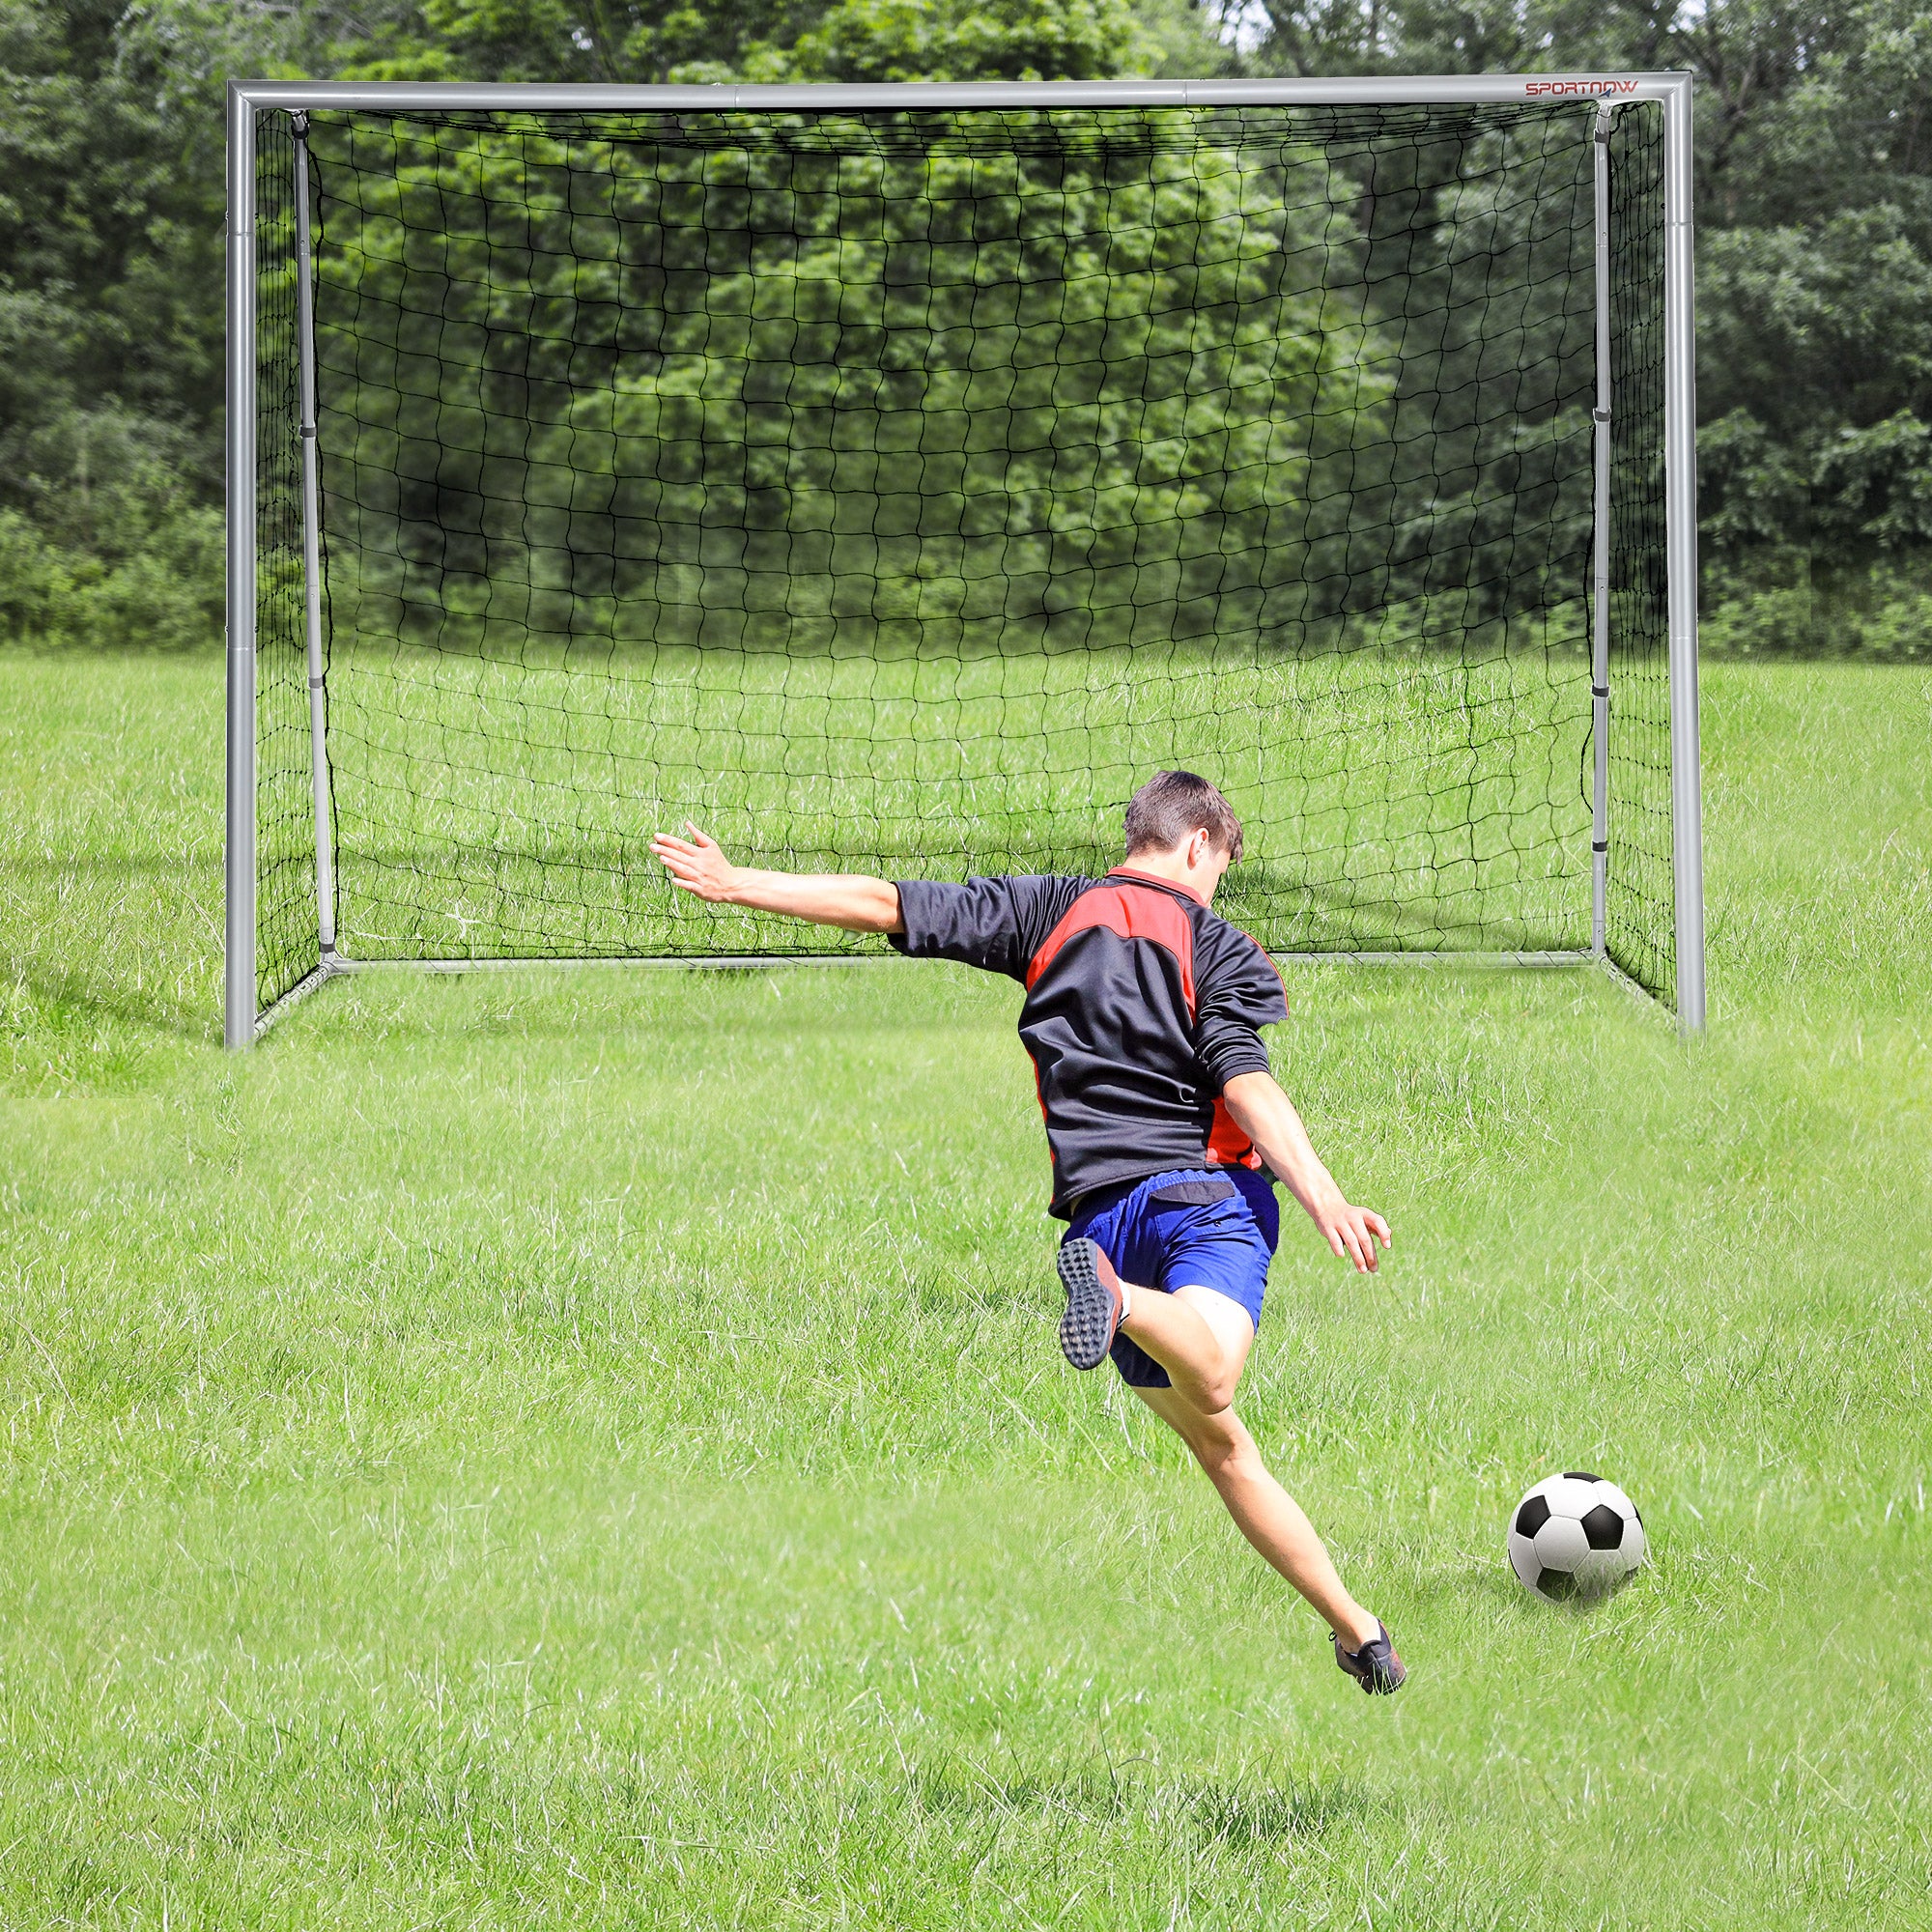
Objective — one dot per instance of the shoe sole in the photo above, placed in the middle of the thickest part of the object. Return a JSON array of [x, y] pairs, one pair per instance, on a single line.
[[1087, 1328]]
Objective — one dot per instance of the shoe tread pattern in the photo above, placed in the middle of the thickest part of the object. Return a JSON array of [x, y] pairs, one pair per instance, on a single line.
[[1087, 1328]]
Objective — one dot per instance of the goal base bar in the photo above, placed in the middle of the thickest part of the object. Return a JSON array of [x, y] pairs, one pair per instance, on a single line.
[[336, 966], [725, 962], [1582, 956]]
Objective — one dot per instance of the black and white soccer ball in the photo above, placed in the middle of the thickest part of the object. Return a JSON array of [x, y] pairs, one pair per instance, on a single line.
[[1574, 1538]]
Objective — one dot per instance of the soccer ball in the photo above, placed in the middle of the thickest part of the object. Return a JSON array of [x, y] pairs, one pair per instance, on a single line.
[[1574, 1538]]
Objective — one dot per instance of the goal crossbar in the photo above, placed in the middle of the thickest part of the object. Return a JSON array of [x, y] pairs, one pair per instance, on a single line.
[[245, 1013], [542, 97]]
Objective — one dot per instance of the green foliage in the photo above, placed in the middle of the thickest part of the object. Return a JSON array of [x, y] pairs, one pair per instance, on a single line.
[[111, 272], [162, 590], [961, 40], [1815, 201], [553, 40], [1792, 611], [649, 40], [1816, 331], [111, 264], [107, 549]]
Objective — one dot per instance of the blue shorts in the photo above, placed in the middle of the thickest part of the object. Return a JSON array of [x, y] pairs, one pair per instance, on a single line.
[[1212, 1227]]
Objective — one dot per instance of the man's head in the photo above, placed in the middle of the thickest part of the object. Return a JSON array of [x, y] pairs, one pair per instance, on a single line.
[[1181, 827]]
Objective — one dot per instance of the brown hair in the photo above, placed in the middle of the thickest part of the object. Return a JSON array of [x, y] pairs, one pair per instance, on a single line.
[[1171, 806]]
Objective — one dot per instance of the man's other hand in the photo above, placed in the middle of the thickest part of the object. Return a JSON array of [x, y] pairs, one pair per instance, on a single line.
[[1352, 1232], [698, 864]]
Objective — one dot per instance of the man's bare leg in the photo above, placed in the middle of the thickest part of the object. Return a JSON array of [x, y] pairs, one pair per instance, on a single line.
[[1202, 1339], [1203, 1346]]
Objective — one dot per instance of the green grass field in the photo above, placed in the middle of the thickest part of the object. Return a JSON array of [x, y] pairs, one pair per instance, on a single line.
[[589, 1449]]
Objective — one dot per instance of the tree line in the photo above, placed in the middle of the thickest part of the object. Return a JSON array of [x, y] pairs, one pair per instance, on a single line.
[[1815, 245]]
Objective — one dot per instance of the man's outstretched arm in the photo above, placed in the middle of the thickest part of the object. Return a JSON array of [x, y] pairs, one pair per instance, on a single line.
[[1267, 1117], [827, 899]]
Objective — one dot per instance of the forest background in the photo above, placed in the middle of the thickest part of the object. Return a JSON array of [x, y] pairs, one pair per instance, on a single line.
[[1814, 203]]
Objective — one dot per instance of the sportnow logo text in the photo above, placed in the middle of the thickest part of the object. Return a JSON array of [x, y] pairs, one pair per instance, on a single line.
[[1533, 87]]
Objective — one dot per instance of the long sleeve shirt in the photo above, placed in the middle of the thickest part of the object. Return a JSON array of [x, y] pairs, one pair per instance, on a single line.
[[1141, 1005]]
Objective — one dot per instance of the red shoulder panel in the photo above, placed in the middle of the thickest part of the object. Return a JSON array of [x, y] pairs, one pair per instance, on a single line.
[[1227, 1145], [1134, 912]]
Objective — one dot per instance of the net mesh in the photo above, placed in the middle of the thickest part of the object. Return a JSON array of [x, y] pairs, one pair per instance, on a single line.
[[896, 492], [1638, 902], [286, 946]]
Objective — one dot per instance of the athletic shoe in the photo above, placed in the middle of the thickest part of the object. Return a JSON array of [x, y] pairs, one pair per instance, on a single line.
[[1376, 1667], [1093, 1303]]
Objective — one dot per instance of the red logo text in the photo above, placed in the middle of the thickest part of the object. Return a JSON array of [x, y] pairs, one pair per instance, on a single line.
[[1533, 87]]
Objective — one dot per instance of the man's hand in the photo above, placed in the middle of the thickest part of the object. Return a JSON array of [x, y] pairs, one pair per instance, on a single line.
[[698, 864], [1352, 1232], [1267, 1117]]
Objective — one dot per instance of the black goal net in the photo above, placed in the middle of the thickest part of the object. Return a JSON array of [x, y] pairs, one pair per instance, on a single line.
[[896, 492]]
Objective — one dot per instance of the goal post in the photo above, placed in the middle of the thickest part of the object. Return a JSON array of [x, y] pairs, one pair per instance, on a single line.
[[893, 476]]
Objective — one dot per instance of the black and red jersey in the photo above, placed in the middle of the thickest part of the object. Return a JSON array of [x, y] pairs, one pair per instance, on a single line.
[[1141, 1005]]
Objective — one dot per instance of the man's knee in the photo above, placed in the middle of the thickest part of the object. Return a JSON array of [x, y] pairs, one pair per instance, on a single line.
[[1211, 1389], [1218, 1393], [1223, 1447]]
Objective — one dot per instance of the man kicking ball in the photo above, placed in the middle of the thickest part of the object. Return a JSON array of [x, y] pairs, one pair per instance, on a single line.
[[1143, 1013]]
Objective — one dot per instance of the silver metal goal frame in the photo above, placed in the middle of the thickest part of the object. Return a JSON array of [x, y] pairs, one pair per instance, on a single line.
[[298, 98]]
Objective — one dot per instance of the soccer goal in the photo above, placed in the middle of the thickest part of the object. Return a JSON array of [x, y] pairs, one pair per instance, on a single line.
[[890, 478]]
